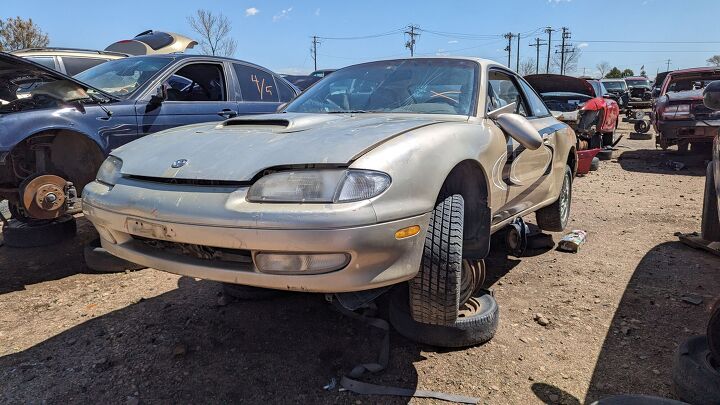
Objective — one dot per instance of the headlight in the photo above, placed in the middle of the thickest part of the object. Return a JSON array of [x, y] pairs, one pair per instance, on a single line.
[[109, 172], [319, 186], [677, 112]]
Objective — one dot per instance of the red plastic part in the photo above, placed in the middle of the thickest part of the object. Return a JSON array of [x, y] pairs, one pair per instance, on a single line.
[[585, 158]]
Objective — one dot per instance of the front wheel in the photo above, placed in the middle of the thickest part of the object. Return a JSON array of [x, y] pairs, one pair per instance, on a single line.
[[555, 216]]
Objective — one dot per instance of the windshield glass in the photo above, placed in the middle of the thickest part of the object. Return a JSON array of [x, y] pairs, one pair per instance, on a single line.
[[614, 85], [689, 83], [637, 82], [426, 86], [123, 76]]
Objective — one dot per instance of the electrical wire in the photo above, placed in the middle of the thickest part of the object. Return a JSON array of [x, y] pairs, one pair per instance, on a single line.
[[384, 34]]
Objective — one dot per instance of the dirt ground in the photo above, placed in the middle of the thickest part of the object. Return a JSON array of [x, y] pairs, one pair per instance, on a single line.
[[616, 315]]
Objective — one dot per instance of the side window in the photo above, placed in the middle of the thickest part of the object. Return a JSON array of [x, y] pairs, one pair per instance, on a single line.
[[74, 66], [47, 61], [285, 92], [256, 84], [197, 82], [502, 91], [537, 106]]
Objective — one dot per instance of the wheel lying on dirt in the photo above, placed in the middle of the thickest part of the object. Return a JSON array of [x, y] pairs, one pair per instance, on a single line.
[[695, 375], [605, 154], [100, 260], [555, 216], [641, 127], [39, 233], [248, 293], [475, 324], [594, 164], [710, 228], [435, 290]]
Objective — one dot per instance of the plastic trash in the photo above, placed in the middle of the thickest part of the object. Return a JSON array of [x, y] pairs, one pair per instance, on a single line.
[[572, 241]]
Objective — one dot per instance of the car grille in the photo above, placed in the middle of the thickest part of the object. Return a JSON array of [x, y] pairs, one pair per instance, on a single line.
[[190, 182], [239, 256]]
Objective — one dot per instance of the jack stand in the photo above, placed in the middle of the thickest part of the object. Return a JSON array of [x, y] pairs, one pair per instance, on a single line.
[[516, 238]]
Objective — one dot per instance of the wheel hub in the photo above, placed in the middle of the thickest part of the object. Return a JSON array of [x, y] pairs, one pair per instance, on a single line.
[[43, 197]]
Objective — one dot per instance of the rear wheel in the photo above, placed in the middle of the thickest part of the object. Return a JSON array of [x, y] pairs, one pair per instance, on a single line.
[[710, 228], [555, 216]]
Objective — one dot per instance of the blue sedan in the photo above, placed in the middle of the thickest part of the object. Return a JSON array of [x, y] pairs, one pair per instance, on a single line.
[[56, 130]]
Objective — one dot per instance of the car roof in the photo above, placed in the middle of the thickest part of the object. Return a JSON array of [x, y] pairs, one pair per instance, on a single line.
[[612, 80], [63, 51], [694, 70], [636, 78]]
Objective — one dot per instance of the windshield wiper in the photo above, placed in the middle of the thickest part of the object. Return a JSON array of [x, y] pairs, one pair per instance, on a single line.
[[100, 102], [348, 112]]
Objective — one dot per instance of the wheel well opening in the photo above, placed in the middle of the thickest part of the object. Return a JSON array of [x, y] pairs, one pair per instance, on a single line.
[[468, 179], [572, 160]]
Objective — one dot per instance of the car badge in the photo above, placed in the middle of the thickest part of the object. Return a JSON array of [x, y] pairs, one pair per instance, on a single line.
[[179, 163]]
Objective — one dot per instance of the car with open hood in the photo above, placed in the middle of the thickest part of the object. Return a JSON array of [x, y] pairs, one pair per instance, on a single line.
[[382, 173], [640, 91], [679, 114], [56, 130]]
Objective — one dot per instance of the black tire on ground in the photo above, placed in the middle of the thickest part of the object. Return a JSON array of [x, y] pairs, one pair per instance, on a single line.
[[469, 329], [100, 260], [26, 235], [605, 154], [608, 138], [695, 376], [555, 216], [248, 293], [637, 400], [713, 332], [435, 290], [641, 127], [594, 164], [710, 228]]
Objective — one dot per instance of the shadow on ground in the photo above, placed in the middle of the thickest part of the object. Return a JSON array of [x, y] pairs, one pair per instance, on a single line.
[[664, 162], [652, 319]]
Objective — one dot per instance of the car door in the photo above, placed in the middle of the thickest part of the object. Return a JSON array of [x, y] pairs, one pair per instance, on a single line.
[[260, 91], [525, 171], [196, 92]]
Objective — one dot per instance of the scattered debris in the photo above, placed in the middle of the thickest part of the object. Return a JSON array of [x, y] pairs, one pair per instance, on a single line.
[[222, 301], [677, 166], [572, 241], [541, 319], [180, 349], [692, 299], [331, 385]]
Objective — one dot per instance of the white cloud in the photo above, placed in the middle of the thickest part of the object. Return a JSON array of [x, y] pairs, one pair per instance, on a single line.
[[285, 13], [317, 11], [453, 41], [249, 12], [558, 1], [442, 52], [583, 45]]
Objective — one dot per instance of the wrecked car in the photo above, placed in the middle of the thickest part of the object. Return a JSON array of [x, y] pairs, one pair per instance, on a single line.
[[640, 92], [679, 115], [586, 106], [56, 130], [619, 89], [711, 204], [68, 60], [386, 173], [152, 43]]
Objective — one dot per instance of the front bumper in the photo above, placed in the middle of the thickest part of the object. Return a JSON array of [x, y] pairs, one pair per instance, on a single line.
[[376, 257], [688, 129]]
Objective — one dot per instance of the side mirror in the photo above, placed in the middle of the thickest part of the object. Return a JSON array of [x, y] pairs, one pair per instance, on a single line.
[[655, 92], [161, 94], [520, 129], [711, 95]]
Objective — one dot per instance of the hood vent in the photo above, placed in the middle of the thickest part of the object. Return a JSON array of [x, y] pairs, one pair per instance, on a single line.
[[257, 123]]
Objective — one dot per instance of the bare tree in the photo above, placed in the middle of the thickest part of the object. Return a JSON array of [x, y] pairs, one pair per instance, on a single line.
[[527, 67], [16, 33], [571, 60], [603, 67], [714, 60], [214, 31]]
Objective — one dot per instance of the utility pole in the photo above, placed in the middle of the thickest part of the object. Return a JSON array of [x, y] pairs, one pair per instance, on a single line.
[[538, 43], [313, 51], [668, 65], [549, 31], [410, 44], [563, 48], [509, 36], [517, 60]]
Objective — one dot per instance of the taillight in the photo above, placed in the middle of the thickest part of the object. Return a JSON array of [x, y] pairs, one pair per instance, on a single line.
[[676, 112]]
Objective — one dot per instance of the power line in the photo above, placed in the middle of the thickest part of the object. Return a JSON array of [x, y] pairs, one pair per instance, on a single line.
[[648, 42], [564, 48], [538, 43], [384, 34], [509, 36], [549, 31], [517, 60], [410, 44]]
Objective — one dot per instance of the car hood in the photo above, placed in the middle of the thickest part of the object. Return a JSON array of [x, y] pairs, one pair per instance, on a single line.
[[549, 83], [239, 148], [689, 95], [15, 70]]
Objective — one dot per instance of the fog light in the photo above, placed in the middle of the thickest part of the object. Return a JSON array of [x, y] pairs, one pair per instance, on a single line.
[[407, 232], [290, 263]]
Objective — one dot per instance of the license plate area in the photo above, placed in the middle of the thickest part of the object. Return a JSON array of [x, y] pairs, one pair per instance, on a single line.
[[147, 229]]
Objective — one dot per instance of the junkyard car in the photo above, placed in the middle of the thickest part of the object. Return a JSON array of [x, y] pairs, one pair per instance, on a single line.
[[67, 60], [619, 88], [679, 115], [152, 43], [381, 173], [640, 92], [56, 130], [711, 204]]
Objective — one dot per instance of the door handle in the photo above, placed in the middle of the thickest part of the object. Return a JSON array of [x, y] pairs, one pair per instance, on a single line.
[[228, 113]]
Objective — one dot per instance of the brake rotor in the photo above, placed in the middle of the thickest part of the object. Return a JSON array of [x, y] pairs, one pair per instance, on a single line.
[[43, 197]]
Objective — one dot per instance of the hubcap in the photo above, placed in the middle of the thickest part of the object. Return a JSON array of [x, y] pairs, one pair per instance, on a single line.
[[472, 278], [565, 200]]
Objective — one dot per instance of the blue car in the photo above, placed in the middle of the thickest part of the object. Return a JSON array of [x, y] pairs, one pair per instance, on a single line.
[[56, 130]]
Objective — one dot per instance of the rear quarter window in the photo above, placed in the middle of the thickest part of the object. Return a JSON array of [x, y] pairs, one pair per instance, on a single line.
[[74, 66], [256, 84]]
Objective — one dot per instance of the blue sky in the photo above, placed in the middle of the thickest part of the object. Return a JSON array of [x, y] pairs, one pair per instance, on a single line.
[[276, 34]]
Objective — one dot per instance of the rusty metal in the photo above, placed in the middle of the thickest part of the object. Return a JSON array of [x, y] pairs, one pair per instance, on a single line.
[[43, 197]]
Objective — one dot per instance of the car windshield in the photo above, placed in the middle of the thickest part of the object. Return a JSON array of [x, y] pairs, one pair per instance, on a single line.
[[425, 86], [615, 85], [689, 83], [637, 82], [123, 77]]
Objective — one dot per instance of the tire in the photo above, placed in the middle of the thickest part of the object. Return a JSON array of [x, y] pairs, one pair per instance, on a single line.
[[695, 376], [713, 332], [608, 138], [710, 228], [472, 330], [555, 216], [641, 127], [100, 260], [605, 154], [594, 164], [435, 291], [248, 293], [39, 233]]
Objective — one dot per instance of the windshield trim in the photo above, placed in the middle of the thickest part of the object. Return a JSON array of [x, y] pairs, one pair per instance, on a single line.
[[472, 110]]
